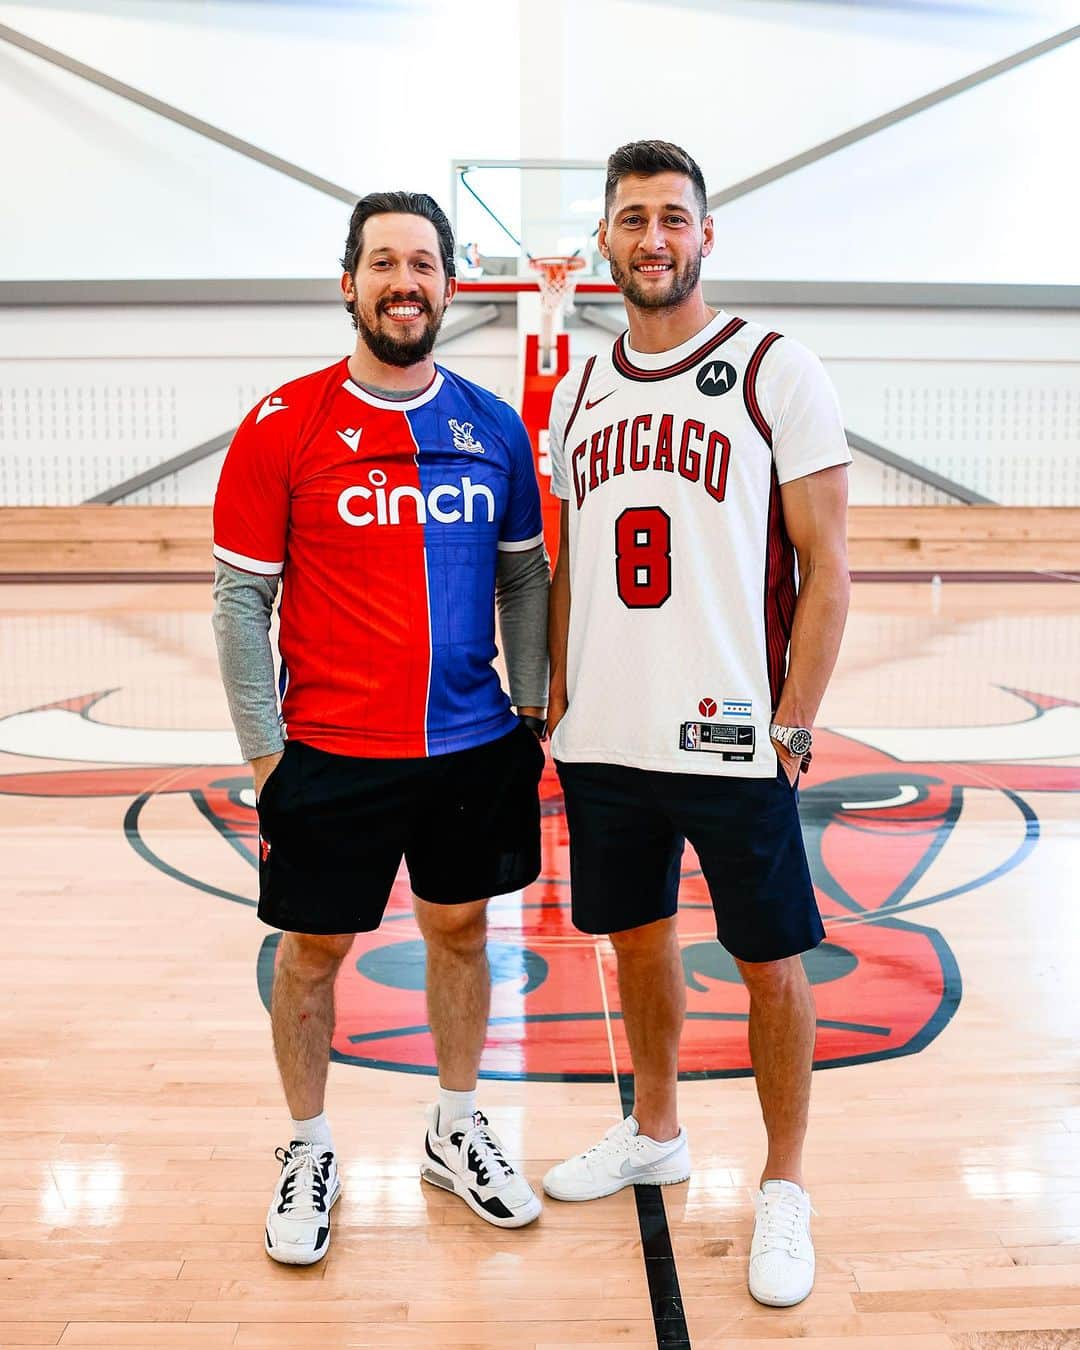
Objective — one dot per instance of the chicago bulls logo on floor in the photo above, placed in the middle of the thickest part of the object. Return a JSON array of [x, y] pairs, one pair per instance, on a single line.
[[878, 811]]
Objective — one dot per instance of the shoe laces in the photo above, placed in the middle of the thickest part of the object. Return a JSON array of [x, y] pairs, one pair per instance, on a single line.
[[618, 1140], [780, 1214], [483, 1152], [304, 1177]]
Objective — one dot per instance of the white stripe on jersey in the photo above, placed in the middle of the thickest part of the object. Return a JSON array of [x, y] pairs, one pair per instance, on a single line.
[[520, 545], [246, 564]]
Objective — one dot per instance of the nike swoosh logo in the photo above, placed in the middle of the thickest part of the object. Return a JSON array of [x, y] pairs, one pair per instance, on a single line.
[[272, 405], [351, 438], [591, 403], [630, 1169]]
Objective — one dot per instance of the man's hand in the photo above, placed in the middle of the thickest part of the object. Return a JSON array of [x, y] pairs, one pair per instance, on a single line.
[[559, 623], [262, 768], [538, 714], [792, 763], [556, 711]]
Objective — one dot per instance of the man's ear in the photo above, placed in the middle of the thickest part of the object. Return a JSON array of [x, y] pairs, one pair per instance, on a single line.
[[708, 236], [601, 240]]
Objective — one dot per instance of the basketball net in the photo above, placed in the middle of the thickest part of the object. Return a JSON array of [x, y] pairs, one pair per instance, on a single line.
[[557, 279]]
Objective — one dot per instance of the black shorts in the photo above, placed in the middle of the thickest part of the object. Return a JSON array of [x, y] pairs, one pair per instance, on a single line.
[[334, 829], [628, 828]]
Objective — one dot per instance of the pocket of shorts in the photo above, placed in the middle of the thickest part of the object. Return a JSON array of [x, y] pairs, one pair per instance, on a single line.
[[537, 749], [273, 781]]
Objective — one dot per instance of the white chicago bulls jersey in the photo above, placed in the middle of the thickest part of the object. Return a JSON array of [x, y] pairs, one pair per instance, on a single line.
[[682, 576]]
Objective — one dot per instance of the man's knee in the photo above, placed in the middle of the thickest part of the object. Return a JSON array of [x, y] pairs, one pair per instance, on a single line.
[[646, 942], [314, 956], [773, 979], [461, 929]]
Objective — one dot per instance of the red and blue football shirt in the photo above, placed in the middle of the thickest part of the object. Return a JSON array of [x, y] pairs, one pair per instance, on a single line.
[[385, 520]]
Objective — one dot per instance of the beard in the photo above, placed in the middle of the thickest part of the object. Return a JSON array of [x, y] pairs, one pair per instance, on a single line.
[[682, 282], [392, 349]]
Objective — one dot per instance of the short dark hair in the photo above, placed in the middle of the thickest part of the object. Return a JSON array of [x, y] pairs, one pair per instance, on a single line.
[[647, 158], [393, 203]]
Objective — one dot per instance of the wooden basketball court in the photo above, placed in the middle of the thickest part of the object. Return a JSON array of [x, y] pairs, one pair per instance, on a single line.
[[185, 176], [141, 1105]]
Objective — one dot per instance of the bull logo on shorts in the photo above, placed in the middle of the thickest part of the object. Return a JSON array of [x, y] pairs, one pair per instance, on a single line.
[[879, 812]]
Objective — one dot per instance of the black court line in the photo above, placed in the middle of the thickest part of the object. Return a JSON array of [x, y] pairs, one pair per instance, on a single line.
[[669, 1319]]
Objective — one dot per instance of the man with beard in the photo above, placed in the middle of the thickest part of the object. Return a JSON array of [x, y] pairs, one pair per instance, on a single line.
[[697, 459], [396, 502]]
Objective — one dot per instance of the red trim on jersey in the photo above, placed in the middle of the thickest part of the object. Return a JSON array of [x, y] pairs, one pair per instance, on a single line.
[[580, 395], [780, 591], [749, 387], [625, 367]]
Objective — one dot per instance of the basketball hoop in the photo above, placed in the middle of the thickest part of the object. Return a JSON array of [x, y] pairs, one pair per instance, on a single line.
[[556, 281]]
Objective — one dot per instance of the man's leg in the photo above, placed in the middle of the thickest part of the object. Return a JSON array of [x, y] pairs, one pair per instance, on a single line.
[[462, 1153], [782, 1030], [302, 1016], [782, 1025], [625, 857], [458, 987], [654, 1152], [652, 992]]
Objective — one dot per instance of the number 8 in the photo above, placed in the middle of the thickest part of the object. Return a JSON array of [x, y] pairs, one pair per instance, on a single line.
[[643, 557]]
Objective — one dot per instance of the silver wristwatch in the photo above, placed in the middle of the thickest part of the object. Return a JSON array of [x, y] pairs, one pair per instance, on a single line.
[[795, 740]]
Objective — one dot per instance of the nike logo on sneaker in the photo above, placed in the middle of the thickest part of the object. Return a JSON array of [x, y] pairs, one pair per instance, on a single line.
[[275, 403], [629, 1168], [591, 403], [351, 437]]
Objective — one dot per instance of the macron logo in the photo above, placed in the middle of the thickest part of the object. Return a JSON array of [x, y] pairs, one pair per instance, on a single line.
[[351, 437], [275, 403]]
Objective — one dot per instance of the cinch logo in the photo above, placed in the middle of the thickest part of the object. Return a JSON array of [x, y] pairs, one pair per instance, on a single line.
[[388, 504]]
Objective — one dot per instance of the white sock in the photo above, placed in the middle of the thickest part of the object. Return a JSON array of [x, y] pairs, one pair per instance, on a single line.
[[316, 1130], [454, 1106]]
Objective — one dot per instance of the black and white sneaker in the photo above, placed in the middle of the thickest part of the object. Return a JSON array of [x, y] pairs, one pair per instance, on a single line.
[[298, 1221], [469, 1161]]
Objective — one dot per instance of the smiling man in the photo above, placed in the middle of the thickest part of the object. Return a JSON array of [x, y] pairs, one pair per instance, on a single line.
[[396, 503], [697, 459]]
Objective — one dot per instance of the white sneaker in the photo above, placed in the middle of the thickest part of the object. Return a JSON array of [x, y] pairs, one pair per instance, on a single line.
[[781, 1254], [298, 1221], [622, 1158], [469, 1162]]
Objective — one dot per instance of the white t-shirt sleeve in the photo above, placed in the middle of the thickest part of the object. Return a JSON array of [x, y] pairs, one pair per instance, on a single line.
[[562, 404], [800, 404]]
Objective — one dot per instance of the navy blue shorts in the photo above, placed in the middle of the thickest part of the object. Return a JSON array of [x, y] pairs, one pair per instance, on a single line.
[[334, 829], [628, 828]]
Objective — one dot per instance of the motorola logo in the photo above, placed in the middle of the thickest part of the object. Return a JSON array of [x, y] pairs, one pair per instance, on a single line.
[[716, 378]]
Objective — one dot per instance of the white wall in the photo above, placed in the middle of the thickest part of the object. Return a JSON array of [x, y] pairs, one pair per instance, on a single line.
[[91, 397], [367, 95], [975, 189], [379, 94], [374, 94]]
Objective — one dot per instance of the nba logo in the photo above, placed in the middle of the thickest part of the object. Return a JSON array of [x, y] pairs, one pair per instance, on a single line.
[[691, 739]]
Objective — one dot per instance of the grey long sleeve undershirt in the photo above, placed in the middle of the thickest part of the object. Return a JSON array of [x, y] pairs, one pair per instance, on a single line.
[[244, 604], [243, 607]]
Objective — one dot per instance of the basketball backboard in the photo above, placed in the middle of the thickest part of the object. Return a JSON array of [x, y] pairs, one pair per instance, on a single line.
[[507, 211]]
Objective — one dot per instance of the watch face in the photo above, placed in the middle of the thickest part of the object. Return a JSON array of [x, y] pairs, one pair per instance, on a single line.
[[801, 740]]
